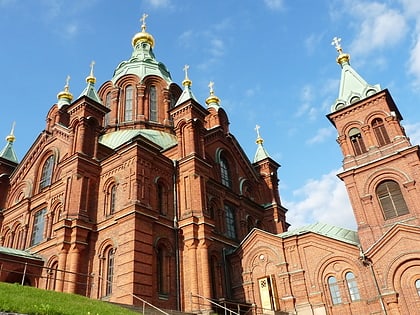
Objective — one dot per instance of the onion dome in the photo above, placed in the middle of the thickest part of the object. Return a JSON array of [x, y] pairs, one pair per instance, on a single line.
[[142, 62], [8, 152], [261, 153], [143, 36], [65, 97], [212, 100], [187, 93], [353, 87], [90, 90]]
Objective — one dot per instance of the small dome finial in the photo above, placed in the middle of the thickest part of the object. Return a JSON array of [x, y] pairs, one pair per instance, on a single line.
[[65, 95], [11, 137], [212, 98], [187, 81], [342, 57], [259, 139], [143, 36], [91, 78]]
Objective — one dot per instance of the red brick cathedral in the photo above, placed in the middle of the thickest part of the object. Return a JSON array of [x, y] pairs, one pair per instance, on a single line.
[[137, 192]]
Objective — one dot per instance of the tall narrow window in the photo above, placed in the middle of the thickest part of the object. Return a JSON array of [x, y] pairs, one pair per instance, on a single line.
[[391, 199], [112, 199], [109, 271], [380, 131], [334, 290], [128, 109], [230, 222], [352, 286], [153, 103], [46, 174], [162, 198], [357, 141], [107, 105], [225, 172], [163, 270], [38, 227], [417, 284]]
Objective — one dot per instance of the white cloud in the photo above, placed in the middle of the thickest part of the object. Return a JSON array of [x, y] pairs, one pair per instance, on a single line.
[[378, 26], [413, 131], [322, 200], [321, 135], [414, 63], [159, 3], [274, 4]]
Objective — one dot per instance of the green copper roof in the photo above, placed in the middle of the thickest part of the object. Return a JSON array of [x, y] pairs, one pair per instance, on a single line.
[[117, 138], [352, 86], [186, 95], [331, 231], [18, 252], [9, 153], [90, 92], [261, 153], [142, 63]]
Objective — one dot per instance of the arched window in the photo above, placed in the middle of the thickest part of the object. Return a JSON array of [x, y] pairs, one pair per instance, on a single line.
[[391, 199], [230, 222], [46, 174], [128, 109], [352, 286], [153, 103], [357, 141], [112, 199], [163, 270], [225, 172], [417, 284], [162, 194], [334, 290], [110, 257], [52, 276], [38, 227], [107, 105], [380, 131]]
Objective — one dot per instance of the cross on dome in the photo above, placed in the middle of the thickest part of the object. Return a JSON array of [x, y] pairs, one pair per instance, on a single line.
[[143, 21], [257, 129], [211, 84], [336, 43]]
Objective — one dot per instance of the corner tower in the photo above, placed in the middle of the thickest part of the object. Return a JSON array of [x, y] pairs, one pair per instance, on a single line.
[[380, 165]]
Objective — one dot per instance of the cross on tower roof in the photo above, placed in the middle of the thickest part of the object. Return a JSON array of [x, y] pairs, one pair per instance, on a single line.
[[143, 21], [211, 84], [336, 43]]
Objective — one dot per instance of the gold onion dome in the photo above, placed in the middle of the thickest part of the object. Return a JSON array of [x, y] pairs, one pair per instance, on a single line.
[[212, 98], [11, 137], [91, 78], [65, 94], [342, 57], [143, 36]]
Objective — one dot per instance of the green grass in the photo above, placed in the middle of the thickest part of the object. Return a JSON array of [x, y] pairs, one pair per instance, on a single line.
[[33, 301]]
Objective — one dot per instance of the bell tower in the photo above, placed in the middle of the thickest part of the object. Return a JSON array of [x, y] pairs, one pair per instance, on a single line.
[[380, 165]]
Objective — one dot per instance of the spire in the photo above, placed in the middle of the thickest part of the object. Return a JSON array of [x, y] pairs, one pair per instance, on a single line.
[[65, 97], [143, 36], [212, 100], [90, 90], [8, 152], [261, 153], [353, 87], [186, 93]]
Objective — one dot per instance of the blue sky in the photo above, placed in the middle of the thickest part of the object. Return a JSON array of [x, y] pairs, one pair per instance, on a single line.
[[271, 60]]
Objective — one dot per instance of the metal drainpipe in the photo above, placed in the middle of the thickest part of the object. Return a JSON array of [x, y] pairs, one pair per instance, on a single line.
[[367, 262], [176, 232]]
